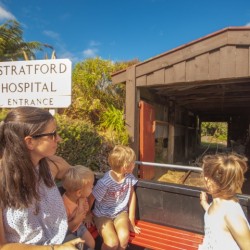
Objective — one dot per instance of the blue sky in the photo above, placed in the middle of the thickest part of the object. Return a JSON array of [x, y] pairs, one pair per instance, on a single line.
[[121, 30]]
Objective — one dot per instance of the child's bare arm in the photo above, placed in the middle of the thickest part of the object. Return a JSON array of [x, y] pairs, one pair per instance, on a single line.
[[91, 200], [239, 229], [89, 217], [203, 200], [78, 218], [132, 207]]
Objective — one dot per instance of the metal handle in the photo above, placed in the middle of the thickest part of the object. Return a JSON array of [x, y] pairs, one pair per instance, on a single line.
[[197, 169]]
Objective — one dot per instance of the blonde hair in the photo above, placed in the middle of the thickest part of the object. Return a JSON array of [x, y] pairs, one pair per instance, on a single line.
[[121, 156], [77, 177], [227, 172]]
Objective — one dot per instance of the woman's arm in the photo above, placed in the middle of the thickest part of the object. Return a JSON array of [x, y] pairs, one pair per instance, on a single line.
[[18, 246], [2, 236], [58, 166], [70, 245]]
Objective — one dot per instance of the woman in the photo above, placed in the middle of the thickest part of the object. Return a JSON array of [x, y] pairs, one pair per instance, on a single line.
[[33, 214]]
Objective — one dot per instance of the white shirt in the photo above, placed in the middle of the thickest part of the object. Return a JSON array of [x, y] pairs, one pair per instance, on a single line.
[[217, 237], [49, 226]]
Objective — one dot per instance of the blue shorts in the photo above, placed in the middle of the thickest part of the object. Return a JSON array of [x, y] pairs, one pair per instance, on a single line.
[[80, 231]]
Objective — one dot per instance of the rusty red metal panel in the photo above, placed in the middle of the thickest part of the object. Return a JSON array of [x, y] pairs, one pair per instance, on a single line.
[[147, 139]]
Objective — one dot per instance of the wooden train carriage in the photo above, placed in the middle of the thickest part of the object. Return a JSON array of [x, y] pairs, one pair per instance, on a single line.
[[170, 216], [168, 96]]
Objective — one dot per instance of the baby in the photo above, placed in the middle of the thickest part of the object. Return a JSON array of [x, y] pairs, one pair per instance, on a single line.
[[78, 184]]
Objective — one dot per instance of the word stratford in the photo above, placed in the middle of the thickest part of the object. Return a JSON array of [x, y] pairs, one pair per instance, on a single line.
[[33, 69]]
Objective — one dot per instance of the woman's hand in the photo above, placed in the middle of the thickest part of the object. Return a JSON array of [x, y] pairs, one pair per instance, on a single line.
[[70, 245]]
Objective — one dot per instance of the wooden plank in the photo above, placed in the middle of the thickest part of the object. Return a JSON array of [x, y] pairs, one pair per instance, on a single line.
[[169, 75], [180, 72], [190, 236], [171, 131], [201, 67], [227, 62], [249, 61], [155, 78], [240, 36], [119, 77], [141, 81], [131, 106], [190, 69], [161, 237], [242, 61], [214, 64]]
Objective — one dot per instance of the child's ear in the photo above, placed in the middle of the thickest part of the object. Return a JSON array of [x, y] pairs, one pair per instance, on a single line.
[[124, 168], [79, 193]]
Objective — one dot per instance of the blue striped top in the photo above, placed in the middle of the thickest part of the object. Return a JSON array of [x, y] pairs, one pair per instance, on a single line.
[[111, 197]]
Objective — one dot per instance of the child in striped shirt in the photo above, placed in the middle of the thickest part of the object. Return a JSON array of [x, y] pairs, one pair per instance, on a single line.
[[115, 201]]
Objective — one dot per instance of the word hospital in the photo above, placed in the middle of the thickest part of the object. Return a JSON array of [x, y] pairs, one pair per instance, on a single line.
[[27, 87]]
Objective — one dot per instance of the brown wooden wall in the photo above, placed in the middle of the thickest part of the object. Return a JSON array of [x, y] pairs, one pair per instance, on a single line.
[[212, 59]]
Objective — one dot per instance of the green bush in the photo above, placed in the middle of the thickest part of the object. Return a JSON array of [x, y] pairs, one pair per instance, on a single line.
[[3, 113], [81, 144], [112, 122]]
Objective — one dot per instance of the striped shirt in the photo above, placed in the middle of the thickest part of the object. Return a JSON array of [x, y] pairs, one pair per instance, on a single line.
[[111, 197]]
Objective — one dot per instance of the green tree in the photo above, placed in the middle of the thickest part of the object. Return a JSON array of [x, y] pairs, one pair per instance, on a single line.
[[12, 45], [216, 129], [92, 90], [97, 100]]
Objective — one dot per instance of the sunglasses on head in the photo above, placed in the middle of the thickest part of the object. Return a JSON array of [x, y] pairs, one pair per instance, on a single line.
[[52, 134]]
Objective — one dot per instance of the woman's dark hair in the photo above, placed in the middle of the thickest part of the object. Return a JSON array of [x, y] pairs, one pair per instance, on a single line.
[[19, 178]]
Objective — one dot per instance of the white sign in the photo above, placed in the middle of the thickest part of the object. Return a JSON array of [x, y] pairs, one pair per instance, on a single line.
[[39, 83]]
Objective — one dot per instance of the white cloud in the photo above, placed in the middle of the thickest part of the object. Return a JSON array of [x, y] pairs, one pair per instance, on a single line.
[[4, 14], [72, 57], [92, 52], [92, 49], [248, 24], [51, 34]]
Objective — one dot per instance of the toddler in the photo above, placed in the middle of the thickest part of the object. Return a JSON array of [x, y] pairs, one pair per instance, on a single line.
[[78, 184], [114, 196], [226, 226]]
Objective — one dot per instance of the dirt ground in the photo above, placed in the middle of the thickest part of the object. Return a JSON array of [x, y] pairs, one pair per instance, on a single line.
[[189, 178]]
